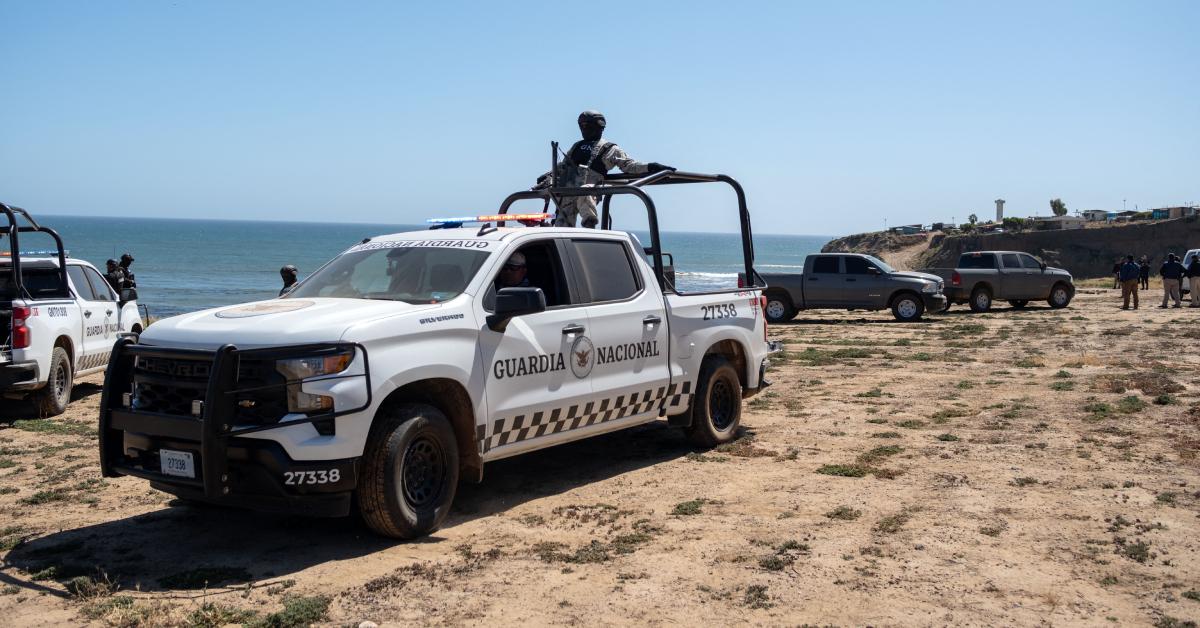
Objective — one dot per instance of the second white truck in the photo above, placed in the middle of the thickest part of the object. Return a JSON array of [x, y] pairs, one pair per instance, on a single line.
[[59, 318], [413, 359]]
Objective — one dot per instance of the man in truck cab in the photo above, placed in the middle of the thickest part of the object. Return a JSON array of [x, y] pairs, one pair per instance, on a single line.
[[512, 275]]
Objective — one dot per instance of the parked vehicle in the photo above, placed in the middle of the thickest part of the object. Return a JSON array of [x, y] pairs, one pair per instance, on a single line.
[[984, 277], [402, 365], [851, 281], [1186, 284], [59, 319]]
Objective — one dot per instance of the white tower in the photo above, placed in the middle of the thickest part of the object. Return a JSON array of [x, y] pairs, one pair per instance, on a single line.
[[999, 210]]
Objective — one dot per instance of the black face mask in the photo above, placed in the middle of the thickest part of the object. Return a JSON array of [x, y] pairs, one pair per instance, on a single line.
[[591, 130]]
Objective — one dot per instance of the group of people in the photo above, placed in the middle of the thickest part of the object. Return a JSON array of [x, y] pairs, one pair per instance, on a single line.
[[1131, 276], [118, 275]]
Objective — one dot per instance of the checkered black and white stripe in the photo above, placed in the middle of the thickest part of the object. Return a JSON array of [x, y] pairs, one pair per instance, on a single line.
[[92, 361], [509, 430]]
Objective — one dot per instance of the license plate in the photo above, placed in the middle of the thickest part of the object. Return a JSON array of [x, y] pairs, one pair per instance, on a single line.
[[178, 463]]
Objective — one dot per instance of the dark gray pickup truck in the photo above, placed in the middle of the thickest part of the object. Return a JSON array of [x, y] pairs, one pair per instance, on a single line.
[[983, 277], [849, 281]]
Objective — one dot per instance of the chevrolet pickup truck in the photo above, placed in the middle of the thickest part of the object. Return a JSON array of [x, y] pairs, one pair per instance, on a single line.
[[850, 281], [59, 318], [983, 277], [413, 359]]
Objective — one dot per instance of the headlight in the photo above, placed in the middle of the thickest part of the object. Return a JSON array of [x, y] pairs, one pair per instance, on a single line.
[[931, 288], [297, 370]]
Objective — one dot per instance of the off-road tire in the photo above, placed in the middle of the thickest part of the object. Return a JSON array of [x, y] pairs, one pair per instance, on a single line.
[[717, 406], [779, 308], [53, 398], [981, 300], [1018, 303], [410, 472], [1060, 296], [908, 307]]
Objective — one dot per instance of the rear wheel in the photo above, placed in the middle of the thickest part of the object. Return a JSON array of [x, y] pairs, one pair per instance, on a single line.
[[717, 406], [981, 300], [1060, 296], [908, 307], [410, 472], [53, 398], [779, 308], [1018, 303]]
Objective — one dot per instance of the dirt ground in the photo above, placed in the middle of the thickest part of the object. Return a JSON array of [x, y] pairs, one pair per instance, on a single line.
[[1014, 468]]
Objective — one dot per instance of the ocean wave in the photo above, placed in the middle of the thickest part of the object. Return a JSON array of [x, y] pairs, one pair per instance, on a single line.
[[682, 273]]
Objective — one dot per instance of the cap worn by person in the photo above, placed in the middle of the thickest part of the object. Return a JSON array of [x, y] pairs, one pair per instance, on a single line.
[[111, 262], [288, 270], [127, 258], [516, 259]]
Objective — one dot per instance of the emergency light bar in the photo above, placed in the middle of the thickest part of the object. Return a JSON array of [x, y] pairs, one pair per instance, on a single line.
[[9, 253], [491, 218]]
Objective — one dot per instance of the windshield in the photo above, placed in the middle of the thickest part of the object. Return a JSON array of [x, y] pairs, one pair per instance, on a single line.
[[880, 264], [409, 274]]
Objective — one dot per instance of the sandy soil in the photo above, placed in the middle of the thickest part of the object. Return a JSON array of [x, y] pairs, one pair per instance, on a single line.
[[1016, 468]]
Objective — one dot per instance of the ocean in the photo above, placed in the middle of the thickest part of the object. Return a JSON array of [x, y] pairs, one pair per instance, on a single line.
[[187, 265]]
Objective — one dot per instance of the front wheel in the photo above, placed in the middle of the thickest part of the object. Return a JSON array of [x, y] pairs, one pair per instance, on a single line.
[[907, 308], [779, 308], [1018, 303], [410, 472], [53, 398], [1060, 296], [981, 300], [717, 406]]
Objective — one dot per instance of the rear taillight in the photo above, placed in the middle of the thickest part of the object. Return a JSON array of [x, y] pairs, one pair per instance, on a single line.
[[762, 307], [20, 331], [955, 279]]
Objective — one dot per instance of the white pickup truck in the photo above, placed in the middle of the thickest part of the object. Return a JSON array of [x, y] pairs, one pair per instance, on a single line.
[[59, 319], [405, 363]]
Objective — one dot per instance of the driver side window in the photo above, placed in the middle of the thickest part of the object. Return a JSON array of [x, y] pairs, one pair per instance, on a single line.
[[543, 269]]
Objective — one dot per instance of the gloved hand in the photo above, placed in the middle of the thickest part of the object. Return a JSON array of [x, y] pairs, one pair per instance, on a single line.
[[654, 167], [542, 182]]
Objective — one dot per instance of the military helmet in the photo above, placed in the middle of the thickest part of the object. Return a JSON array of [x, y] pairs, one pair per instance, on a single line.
[[593, 117]]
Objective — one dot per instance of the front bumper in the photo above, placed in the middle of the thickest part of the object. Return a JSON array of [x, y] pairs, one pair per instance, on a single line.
[[935, 302], [16, 376], [247, 472]]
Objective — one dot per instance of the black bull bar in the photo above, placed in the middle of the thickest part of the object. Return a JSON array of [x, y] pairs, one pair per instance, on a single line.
[[216, 423]]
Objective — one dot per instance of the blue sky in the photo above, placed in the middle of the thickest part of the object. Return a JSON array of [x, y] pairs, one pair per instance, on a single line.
[[834, 116]]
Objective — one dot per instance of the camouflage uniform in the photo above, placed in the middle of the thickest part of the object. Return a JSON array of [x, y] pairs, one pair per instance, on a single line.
[[601, 156]]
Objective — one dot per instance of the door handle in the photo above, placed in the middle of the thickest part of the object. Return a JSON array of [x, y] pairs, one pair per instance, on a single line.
[[573, 329], [851, 279], [87, 313], [651, 320], [108, 312], [812, 278]]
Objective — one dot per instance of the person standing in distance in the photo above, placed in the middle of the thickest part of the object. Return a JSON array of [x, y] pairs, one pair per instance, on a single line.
[[288, 273], [1172, 275], [1130, 273], [114, 276], [1193, 274], [585, 165], [126, 262]]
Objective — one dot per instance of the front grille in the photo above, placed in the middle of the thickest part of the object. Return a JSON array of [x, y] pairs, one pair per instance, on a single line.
[[170, 385], [266, 405]]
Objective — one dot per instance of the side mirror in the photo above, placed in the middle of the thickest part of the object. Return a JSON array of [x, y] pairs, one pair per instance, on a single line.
[[512, 302], [874, 271], [128, 294]]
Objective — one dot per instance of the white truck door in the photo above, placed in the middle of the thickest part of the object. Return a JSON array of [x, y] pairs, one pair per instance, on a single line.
[[628, 329], [94, 345], [534, 387]]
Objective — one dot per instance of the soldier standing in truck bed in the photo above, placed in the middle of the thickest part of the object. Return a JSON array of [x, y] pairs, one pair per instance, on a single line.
[[585, 165]]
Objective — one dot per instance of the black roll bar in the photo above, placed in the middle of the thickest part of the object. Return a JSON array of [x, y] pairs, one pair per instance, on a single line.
[[632, 185], [13, 229]]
